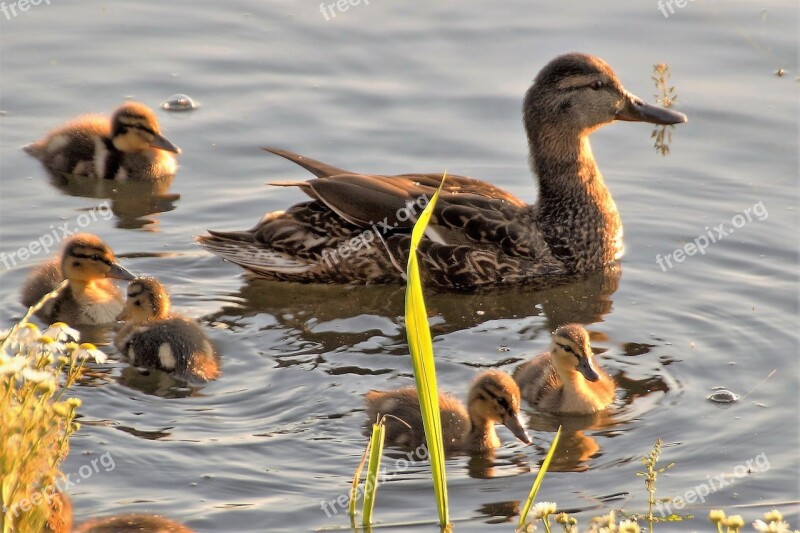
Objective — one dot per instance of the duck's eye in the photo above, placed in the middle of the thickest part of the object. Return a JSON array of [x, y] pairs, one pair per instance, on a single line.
[[596, 84], [137, 303], [503, 403], [96, 257]]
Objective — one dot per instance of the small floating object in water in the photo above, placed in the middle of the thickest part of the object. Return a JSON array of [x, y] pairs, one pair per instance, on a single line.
[[179, 102], [780, 72], [723, 396]]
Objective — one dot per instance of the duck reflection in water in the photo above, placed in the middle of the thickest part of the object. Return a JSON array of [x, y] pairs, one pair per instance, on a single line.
[[134, 203]]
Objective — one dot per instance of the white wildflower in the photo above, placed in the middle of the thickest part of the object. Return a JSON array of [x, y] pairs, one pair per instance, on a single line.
[[772, 527], [61, 332], [37, 376], [628, 526], [88, 350], [542, 509], [27, 334], [11, 366]]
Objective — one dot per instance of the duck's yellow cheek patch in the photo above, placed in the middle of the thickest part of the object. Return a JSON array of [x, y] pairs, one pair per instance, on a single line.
[[166, 357]]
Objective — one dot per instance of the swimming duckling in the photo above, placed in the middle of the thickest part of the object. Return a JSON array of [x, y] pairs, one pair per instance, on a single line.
[[91, 297], [130, 147], [479, 235], [131, 523], [154, 337], [61, 521], [493, 398], [565, 379]]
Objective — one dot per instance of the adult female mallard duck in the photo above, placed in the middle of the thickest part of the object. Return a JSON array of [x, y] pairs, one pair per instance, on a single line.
[[493, 399], [129, 147], [565, 379], [90, 298], [154, 337], [357, 227]]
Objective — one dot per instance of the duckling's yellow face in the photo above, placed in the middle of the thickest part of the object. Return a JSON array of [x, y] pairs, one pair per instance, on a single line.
[[134, 128], [572, 354], [86, 258], [495, 398], [147, 300]]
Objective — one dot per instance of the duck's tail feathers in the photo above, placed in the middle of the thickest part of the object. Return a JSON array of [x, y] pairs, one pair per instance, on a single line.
[[36, 149], [239, 248], [318, 168]]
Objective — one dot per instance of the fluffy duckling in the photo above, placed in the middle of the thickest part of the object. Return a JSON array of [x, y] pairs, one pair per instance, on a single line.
[[493, 398], [156, 338], [565, 379], [90, 298], [129, 147]]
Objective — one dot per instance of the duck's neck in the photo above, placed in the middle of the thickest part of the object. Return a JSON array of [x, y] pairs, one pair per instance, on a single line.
[[482, 435], [578, 395], [97, 291], [575, 211]]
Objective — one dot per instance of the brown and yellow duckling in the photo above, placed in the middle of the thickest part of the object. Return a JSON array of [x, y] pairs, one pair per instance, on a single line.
[[61, 521], [154, 337], [129, 147], [566, 379], [90, 298], [479, 235], [493, 399]]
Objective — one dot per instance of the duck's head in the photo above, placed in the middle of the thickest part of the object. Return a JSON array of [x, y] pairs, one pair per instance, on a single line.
[[134, 128], [571, 352], [87, 258], [147, 300], [494, 397], [578, 93]]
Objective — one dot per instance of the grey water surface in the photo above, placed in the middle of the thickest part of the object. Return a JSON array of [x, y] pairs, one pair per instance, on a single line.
[[392, 87]]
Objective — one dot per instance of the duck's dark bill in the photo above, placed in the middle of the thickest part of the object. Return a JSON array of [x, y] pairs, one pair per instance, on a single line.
[[119, 272], [161, 142], [514, 423], [585, 367], [636, 110]]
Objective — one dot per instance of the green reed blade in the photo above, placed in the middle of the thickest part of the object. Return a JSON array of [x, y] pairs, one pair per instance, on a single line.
[[351, 508], [421, 347], [539, 478], [373, 467]]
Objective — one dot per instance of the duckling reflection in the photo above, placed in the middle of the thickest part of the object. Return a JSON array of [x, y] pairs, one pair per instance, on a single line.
[[154, 337], [576, 448], [91, 297], [304, 307], [493, 398], [128, 147], [134, 203]]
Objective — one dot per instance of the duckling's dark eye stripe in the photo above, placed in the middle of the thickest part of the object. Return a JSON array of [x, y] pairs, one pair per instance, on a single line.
[[132, 294], [499, 399], [566, 348], [92, 257]]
